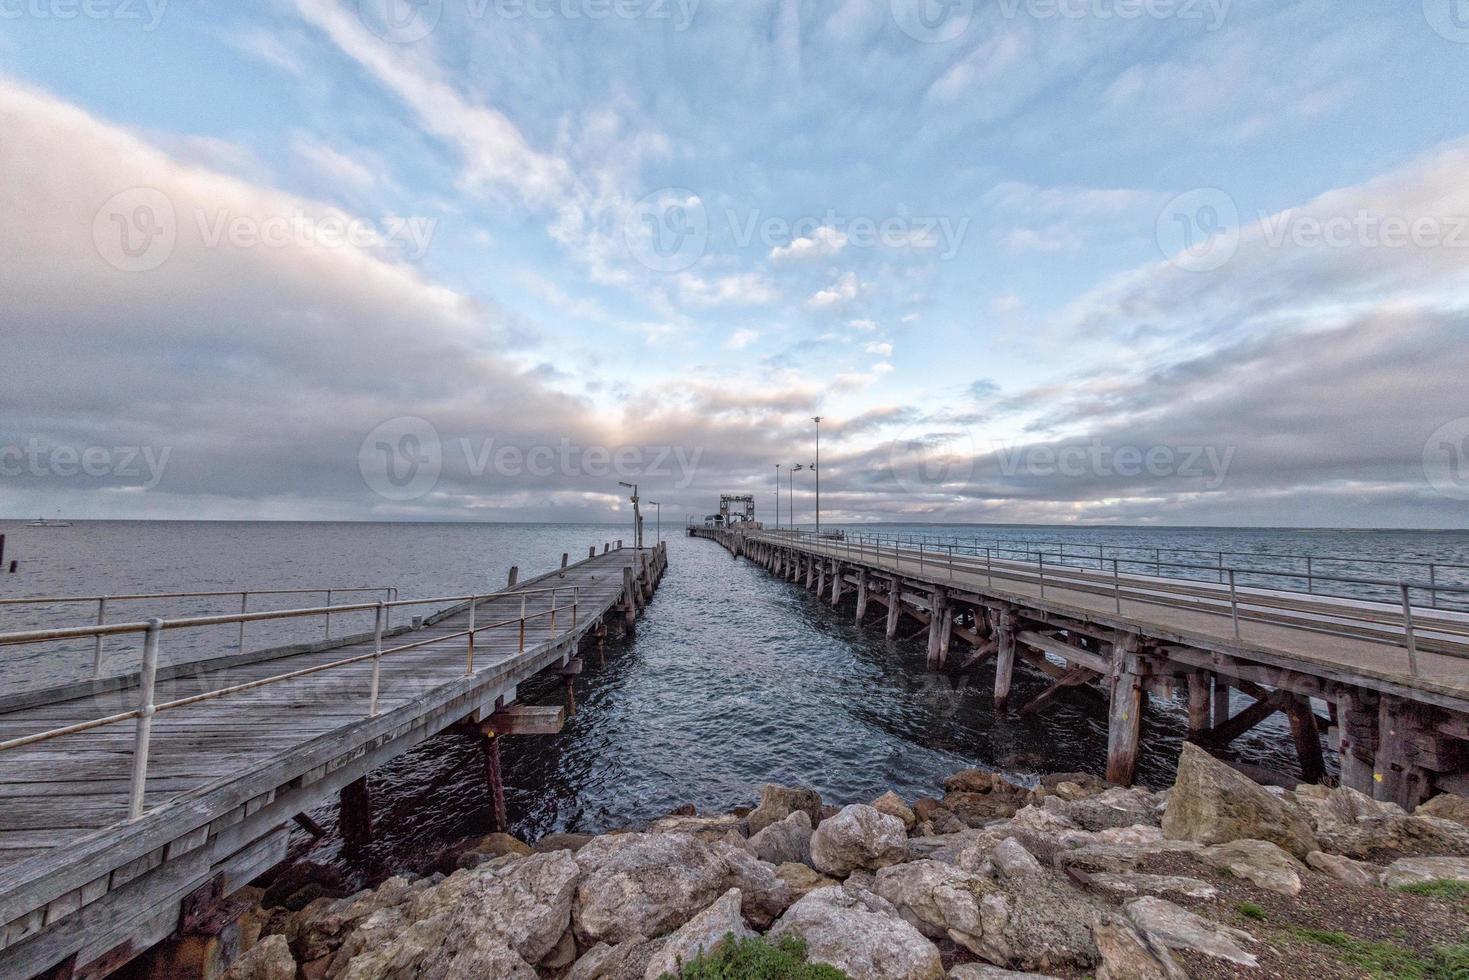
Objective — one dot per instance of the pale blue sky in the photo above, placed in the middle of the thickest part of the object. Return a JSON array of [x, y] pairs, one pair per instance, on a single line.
[[952, 228]]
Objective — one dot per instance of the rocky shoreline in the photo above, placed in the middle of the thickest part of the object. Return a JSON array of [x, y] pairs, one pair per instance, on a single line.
[[1213, 877]]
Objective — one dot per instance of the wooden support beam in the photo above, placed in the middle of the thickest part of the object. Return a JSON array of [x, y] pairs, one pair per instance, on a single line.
[[1066, 651], [1199, 713], [982, 653], [1222, 735], [895, 602], [1357, 711], [354, 814], [1397, 777], [936, 639], [1005, 665], [1220, 706], [526, 719], [1075, 677], [1307, 738], [495, 780], [1124, 728], [861, 593]]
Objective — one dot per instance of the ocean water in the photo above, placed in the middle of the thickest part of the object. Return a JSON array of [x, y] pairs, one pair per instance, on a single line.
[[734, 678]]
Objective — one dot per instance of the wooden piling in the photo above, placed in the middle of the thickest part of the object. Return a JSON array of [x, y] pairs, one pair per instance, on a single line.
[[895, 602], [494, 779], [354, 818], [1004, 658], [1307, 738], [861, 594], [1200, 714]]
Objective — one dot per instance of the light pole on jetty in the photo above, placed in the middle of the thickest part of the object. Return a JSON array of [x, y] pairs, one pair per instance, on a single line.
[[816, 466], [777, 496], [658, 520], [791, 497], [637, 515]]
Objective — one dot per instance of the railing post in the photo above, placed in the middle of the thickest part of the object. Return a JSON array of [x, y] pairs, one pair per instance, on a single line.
[[1040, 564], [1311, 576], [1408, 633], [1433, 584], [244, 601], [575, 601], [1117, 586], [1233, 604], [377, 660], [553, 614], [951, 563], [97, 645], [328, 614], [146, 679], [989, 566], [470, 652]]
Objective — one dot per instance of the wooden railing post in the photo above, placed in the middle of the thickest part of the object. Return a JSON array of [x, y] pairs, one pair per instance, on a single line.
[[244, 601], [1408, 633], [470, 652], [147, 678], [522, 622], [377, 661], [97, 645]]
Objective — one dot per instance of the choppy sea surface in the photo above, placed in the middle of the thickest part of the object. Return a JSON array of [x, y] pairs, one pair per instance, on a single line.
[[734, 678]]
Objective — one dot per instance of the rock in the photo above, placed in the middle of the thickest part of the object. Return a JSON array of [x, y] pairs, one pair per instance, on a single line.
[[1037, 923], [1038, 820], [269, 959], [1446, 806], [562, 842], [1012, 860], [1344, 868], [1088, 784], [983, 971], [644, 885], [1164, 924], [861, 935], [1100, 857], [938, 899], [788, 840], [1258, 861], [892, 804], [1418, 870], [1213, 804], [1126, 955], [563, 955], [1136, 836], [1144, 884], [858, 837], [1394, 835], [765, 893], [498, 920], [704, 933], [801, 879], [1110, 809], [627, 960], [968, 848], [707, 829], [498, 845], [970, 781], [779, 802], [978, 809]]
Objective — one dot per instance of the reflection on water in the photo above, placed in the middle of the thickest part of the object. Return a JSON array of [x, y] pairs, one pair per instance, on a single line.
[[734, 679]]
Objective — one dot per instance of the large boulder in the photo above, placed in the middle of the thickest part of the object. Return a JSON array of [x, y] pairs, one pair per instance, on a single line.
[[765, 893], [497, 920], [644, 885], [1126, 955], [893, 805], [802, 879], [779, 802], [704, 933], [971, 781], [983, 971], [1384, 837], [1113, 808], [1213, 804], [1446, 806], [788, 840], [628, 960], [940, 900], [269, 959], [1130, 884], [1011, 860], [705, 828], [1260, 862], [861, 935], [1421, 870], [978, 809], [1038, 922], [858, 838], [1164, 924]]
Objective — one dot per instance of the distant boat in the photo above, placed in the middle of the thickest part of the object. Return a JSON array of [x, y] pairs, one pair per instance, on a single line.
[[44, 522]]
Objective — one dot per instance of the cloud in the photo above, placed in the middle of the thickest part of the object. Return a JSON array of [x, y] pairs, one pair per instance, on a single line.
[[741, 339], [335, 166], [880, 349], [840, 293], [823, 243]]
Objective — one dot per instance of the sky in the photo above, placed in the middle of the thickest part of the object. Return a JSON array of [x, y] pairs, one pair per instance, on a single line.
[[1032, 261]]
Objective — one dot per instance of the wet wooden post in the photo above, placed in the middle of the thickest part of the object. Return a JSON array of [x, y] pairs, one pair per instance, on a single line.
[[937, 619], [1200, 716], [861, 593], [1307, 738], [601, 635], [354, 818], [513, 577], [1220, 708], [495, 780], [629, 603], [592, 551], [895, 602], [1357, 711], [1004, 658], [1125, 714], [820, 577], [946, 636], [836, 584]]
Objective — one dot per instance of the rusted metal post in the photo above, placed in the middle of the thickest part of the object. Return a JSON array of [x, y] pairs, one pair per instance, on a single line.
[[147, 677], [495, 779]]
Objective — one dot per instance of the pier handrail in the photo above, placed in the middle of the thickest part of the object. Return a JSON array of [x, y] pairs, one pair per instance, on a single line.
[[41, 600], [154, 629]]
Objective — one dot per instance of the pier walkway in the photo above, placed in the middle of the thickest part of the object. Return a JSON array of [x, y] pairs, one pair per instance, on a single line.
[[131, 807], [1394, 677]]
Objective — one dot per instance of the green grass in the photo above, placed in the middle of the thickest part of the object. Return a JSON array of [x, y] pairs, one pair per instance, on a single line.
[[1449, 891], [1387, 961], [756, 959], [1250, 911]]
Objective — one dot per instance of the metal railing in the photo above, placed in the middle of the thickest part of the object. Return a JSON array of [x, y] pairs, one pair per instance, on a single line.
[[390, 593], [1367, 617], [153, 630]]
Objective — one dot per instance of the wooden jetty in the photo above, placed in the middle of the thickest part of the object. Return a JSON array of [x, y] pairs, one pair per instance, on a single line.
[[131, 809], [1394, 677]]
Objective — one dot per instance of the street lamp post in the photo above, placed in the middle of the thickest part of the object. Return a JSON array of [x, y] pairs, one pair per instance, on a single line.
[[658, 519], [817, 467], [777, 496], [791, 497], [637, 515]]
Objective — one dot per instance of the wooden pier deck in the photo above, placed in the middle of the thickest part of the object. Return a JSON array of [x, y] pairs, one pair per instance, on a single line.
[[1396, 690], [84, 888]]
